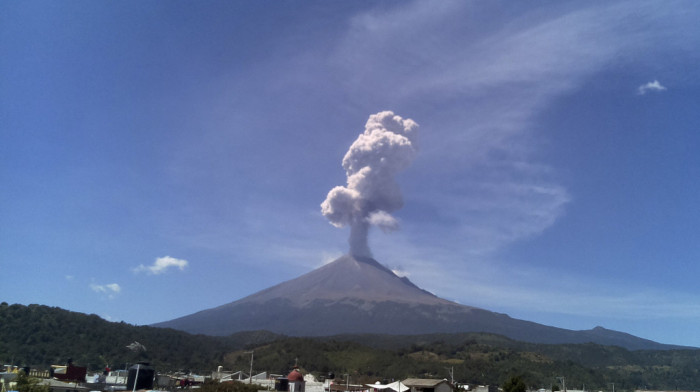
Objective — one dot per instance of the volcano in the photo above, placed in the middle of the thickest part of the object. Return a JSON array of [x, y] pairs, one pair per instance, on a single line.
[[354, 295]]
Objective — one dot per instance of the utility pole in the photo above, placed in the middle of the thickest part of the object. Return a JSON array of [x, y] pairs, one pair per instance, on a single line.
[[250, 380], [136, 378]]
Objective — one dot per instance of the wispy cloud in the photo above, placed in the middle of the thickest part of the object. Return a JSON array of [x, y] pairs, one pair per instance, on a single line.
[[110, 289], [529, 289], [162, 265], [483, 90], [486, 88], [654, 86], [493, 188], [593, 301], [485, 215]]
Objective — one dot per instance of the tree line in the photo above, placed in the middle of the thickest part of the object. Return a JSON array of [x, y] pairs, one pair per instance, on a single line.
[[38, 336]]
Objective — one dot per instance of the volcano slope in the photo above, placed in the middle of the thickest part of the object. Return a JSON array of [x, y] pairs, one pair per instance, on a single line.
[[354, 295]]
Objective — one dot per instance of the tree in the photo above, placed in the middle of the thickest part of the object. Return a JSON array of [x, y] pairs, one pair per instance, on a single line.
[[29, 384], [514, 384]]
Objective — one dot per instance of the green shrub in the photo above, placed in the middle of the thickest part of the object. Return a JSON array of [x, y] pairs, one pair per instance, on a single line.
[[231, 386], [30, 384]]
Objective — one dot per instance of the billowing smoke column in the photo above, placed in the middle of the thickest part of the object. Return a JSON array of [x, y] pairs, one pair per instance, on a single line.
[[386, 147]]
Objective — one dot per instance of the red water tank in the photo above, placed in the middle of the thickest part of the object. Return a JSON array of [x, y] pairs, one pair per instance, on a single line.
[[295, 375]]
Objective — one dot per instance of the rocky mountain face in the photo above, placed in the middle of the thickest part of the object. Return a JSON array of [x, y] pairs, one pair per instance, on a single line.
[[359, 295]]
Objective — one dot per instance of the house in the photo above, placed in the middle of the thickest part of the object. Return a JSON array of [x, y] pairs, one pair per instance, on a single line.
[[427, 385]]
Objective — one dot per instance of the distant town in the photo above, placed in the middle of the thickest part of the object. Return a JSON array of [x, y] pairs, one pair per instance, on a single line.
[[143, 377]]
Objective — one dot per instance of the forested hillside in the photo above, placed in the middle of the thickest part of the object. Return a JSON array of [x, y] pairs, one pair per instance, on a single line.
[[39, 336]]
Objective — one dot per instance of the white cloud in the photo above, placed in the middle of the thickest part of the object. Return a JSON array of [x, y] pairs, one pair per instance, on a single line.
[[105, 288], [161, 265], [654, 86], [110, 289]]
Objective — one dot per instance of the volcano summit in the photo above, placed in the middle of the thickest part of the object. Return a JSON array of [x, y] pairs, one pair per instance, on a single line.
[[358, 295]]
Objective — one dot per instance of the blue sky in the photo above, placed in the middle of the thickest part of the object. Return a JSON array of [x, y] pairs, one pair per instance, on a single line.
[[159, 158]]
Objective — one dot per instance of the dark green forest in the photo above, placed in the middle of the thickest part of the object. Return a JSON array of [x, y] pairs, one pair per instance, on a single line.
[[39, 336]]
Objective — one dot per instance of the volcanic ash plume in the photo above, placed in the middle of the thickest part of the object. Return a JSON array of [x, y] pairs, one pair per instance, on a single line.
[[386, 147]]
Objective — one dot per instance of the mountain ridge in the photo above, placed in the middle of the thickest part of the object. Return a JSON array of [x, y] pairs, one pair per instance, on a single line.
[[359, 295]]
